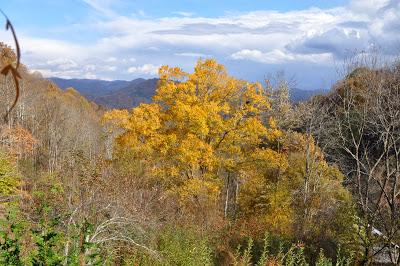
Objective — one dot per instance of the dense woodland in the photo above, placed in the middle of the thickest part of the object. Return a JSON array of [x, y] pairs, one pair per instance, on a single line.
[[214, 171]]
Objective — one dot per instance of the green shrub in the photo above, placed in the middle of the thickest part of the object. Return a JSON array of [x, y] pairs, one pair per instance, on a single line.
[[176, 246], [322, 260], [287, 255], [10, 241], [181, 246]]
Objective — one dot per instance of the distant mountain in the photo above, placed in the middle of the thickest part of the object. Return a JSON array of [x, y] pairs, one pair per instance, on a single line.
[[112, 94], [91, 87], [128, 94], [299, 95]]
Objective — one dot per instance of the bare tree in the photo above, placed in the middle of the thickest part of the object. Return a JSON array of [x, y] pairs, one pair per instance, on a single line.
[[362, 135]]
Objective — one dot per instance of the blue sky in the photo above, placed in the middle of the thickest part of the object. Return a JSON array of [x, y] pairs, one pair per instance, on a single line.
[[126, 39]]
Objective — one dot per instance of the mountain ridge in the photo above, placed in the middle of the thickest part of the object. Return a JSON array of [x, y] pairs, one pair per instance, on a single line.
[[122, 94]]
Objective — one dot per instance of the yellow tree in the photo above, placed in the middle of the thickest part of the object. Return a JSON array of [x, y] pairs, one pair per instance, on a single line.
[[297, 193], [210, 141], [200, 134]]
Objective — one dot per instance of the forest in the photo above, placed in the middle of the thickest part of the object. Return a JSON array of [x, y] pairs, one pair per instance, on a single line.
[[215, 170]]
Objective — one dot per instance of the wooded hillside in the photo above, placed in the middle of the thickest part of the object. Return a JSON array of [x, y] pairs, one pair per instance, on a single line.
[[213, 171]]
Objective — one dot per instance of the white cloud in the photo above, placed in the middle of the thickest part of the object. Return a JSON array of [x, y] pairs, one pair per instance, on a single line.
[[90, 67], [337, 41], [142, 13], [368, 6], [62, 63], [111, 59], [102, 6], [274, 39], [49, 49], [90, 76], [184, 14], [190, 54], [47, 72], [109, 68], [146, 69], [279, 57], [153, 48], [273, 57]]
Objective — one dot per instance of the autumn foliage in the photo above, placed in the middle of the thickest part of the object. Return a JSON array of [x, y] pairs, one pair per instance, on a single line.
[[211, 142], [214, 171]]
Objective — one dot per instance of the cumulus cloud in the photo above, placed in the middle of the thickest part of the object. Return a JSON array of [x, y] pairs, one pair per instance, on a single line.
[[337, 41], [279, 56], [146, 69], [273, 57], [369, 6], [72, 73], [62, 63]]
